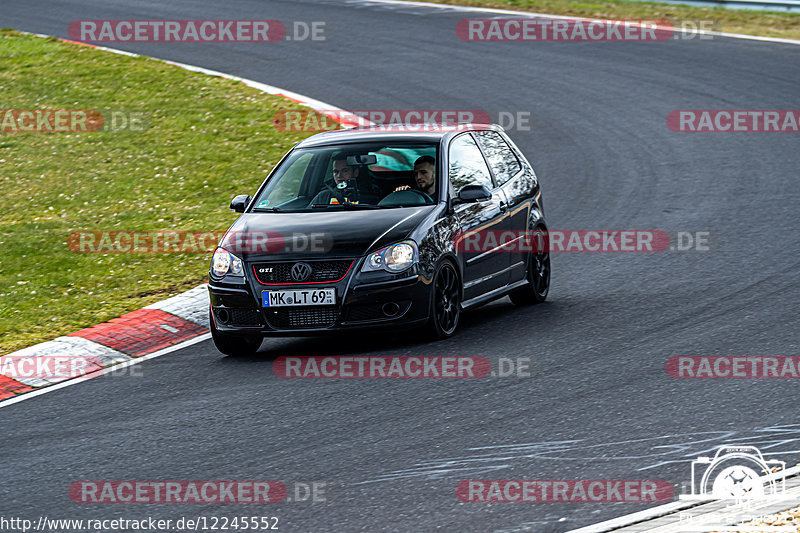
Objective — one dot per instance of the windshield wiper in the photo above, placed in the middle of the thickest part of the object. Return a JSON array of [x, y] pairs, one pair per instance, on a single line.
[[270, 209]]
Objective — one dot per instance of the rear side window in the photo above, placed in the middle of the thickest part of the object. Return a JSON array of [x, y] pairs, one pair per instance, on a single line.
[[467, 165], [502, 159]]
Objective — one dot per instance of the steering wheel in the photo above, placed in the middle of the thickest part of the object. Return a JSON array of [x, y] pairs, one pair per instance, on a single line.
[[425, 196]]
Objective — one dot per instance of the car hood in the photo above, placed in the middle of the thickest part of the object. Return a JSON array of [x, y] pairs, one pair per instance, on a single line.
[[270, 236]]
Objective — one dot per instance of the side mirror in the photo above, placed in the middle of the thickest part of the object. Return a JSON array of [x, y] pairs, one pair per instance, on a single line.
[[473, 193], [240, 203]]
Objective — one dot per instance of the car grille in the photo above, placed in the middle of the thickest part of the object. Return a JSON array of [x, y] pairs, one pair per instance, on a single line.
[[321, 271], [301, 317], [244, 317]]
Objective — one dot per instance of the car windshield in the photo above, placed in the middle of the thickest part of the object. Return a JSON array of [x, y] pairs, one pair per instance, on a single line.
[[353, 176]]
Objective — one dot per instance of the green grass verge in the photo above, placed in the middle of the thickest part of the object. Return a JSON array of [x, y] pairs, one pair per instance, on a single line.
[[768, 24], [208, 138]]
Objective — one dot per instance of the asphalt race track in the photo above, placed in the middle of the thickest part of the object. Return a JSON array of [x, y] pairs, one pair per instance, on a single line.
[[599, 403]]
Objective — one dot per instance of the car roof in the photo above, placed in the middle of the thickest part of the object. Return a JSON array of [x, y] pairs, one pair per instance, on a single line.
[[421, 133]]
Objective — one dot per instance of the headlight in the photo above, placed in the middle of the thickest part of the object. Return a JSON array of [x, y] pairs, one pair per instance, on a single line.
[[394, 258], [225, 262]]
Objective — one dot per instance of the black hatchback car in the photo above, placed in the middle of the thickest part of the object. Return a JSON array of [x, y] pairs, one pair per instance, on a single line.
[[367, 227]]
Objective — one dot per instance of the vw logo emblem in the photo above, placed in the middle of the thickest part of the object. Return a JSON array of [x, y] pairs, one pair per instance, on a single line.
[[301, 271]]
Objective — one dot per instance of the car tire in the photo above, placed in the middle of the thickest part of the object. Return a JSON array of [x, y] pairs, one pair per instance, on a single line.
[[231, 344], [445, 301], [538, 274]]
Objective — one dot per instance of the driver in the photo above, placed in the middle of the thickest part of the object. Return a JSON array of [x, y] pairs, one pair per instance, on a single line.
[[343, 174], [425, 176]]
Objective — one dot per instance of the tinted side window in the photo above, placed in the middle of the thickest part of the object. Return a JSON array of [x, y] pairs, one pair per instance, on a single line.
[[467, 166], [503, 161]]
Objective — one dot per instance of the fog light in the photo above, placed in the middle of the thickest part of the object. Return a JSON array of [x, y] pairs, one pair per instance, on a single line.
[[391, 309]]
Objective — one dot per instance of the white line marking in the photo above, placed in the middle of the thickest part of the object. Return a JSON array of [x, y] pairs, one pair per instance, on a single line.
[[632, 518], [548, 15], [106, 370]]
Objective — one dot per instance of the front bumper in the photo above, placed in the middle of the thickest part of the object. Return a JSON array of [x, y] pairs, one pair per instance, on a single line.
[[363, 300]]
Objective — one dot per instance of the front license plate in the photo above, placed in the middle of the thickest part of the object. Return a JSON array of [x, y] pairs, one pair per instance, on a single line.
[[299, 297]]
